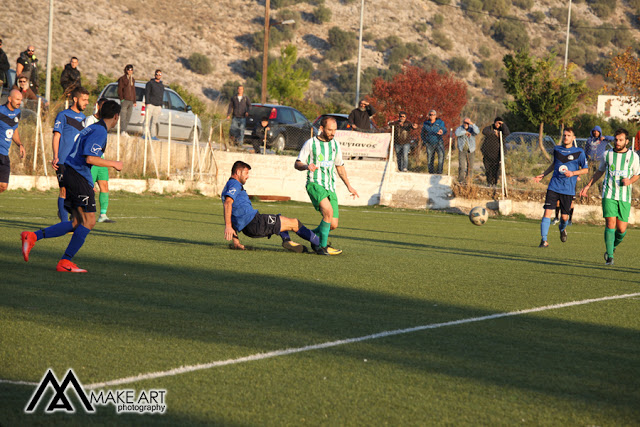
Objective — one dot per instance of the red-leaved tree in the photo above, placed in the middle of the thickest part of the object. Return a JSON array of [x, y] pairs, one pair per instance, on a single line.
[[417, 91]]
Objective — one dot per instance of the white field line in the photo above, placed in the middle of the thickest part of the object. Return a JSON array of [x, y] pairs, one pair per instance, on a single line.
[[284, 352]]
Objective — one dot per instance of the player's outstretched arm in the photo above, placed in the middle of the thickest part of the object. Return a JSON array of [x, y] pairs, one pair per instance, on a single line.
[[342, 173], [596, 176], [538, 178], [55, 145], [303, 166], [16, 140], [98, 161]]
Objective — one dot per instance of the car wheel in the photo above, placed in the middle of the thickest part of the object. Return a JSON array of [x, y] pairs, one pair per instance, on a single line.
[[278, 144]]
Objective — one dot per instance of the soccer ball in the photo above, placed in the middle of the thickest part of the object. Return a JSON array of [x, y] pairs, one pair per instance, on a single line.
[[478, 215]]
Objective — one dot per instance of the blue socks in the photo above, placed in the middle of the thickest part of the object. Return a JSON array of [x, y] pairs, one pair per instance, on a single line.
[[309, 235], [284, 235], [563, 224], [56, 230], [544, 227], [64, 215], [77, 240]]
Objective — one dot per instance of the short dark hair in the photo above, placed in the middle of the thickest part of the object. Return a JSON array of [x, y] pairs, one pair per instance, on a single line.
[[570, 129], [101, 100], [239, 165], [79, 91], [498, 119], [128, 67], [157, 71], [402, 112], [326, 119], [109, 109], [73, 57], [622, 131]]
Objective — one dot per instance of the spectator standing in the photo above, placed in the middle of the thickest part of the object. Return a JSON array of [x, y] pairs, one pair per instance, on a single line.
[[636, 145], [597, 144], [402, 139], [238, 112], [153, 96], [491, 149], [466, 135], [4, 66], [432, 133], [360, 118], [127, 96], [27, 64], [70, 76]]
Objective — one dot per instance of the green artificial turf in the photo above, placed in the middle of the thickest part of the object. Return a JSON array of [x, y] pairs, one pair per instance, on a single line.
[[164, 291]]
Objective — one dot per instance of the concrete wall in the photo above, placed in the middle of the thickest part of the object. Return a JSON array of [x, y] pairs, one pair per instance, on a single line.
[[377, 182]]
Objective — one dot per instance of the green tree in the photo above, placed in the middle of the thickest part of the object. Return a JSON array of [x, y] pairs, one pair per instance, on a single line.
[[541, 91], [284, 81]]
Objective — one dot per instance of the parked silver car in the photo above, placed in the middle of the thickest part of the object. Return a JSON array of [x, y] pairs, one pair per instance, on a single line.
[[182, 118]]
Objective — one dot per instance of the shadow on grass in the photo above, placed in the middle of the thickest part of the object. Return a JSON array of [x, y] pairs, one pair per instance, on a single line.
[[237, 313]]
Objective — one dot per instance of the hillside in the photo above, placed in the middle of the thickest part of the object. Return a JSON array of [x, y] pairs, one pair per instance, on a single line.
[[106, 35]]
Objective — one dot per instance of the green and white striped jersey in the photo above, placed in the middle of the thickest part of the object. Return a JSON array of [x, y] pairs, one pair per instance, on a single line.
[[617, 166], [325, 155]]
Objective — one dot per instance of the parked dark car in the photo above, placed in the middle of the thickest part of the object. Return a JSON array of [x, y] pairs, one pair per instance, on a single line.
[[342, 120], [289, 128], [528, 140]]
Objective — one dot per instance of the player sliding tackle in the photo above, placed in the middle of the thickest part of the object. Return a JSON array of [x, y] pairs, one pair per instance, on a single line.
[[622, 168], [568, 163], [239, 215]]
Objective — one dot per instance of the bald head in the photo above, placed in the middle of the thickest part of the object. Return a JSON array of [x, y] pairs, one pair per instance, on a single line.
[[14, 100]]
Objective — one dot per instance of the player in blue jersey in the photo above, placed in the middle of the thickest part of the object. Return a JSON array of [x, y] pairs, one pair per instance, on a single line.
[[66, 128], [78, 184], [239, 215], [9, 118], [568, 163]]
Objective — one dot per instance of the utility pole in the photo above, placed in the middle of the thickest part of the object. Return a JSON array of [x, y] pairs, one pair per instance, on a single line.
[[47, 93], [359, 54]]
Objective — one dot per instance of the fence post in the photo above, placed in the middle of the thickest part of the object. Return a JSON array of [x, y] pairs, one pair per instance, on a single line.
[[35, 146], [502, 167], [169, 147], [193, 143], [450, 141]]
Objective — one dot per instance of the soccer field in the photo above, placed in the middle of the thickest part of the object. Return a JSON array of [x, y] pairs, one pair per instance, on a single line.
[[424, 319]]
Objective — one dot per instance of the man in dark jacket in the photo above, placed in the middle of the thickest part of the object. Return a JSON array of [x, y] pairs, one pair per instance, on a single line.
[[27, 64], [360, 118], [153, 97], [70, 76], [238, 112], [4, 65], [402, 139], [127, 96], [491, 149]]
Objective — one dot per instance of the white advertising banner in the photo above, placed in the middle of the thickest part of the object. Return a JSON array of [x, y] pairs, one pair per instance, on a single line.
[[361, 144]]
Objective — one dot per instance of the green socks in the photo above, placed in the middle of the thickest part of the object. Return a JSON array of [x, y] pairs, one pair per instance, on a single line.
[[104, 203], [609, 238], [323, 232], [619, 237]]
